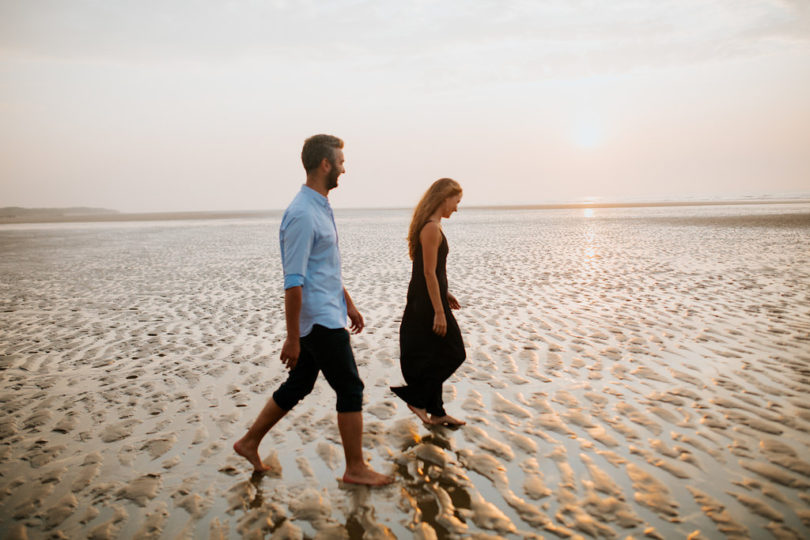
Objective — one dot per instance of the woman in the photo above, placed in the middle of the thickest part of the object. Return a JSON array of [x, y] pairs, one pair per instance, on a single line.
[[430, 343]]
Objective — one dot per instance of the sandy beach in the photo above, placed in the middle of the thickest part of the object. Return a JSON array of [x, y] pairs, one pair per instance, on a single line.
[[640, 372]]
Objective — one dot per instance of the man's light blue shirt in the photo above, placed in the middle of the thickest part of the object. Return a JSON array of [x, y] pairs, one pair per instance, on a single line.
[[311, 259]]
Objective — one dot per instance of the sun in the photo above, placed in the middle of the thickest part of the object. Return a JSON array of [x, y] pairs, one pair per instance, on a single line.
[[587, 134]]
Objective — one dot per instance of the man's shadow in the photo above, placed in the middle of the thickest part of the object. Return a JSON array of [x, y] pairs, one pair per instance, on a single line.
[[428, 476]]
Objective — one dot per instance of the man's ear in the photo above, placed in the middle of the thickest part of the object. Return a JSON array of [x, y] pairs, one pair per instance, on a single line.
[[326, 165]]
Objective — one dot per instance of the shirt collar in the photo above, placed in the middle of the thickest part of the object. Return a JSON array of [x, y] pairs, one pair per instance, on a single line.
[[314, 195]]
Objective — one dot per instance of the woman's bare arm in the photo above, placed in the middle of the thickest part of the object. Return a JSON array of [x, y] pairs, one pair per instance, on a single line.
[[431, 238]]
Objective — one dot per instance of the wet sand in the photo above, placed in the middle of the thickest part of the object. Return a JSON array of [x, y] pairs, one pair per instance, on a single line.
[[631, 374]]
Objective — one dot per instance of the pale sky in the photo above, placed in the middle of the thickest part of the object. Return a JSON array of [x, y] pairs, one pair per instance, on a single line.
[[204, 105]]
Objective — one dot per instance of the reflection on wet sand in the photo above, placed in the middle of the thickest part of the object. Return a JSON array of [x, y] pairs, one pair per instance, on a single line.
[[432, 486]]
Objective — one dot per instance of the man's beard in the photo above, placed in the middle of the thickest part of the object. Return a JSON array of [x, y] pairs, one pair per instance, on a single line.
[[331, 180]]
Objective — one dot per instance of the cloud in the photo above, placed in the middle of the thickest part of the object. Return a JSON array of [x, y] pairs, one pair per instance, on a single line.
[[455, 35]]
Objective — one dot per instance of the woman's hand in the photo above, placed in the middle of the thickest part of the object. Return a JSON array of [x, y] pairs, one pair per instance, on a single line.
[[439, 324], [452, 302]]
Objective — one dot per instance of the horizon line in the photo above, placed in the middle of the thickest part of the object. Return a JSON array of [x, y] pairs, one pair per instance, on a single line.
[[52, 215]]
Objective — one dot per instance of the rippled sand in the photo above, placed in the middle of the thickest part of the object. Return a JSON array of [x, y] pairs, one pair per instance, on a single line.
[[639, 373]]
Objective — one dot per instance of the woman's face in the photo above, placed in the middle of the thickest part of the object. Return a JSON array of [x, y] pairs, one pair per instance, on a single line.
[[450, 205]]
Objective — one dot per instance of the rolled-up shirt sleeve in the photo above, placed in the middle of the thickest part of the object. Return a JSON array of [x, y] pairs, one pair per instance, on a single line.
[[297, 235]]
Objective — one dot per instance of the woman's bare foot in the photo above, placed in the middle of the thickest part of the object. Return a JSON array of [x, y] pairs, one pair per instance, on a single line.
[[446, 420], [421, 413], [250, 452], [366, 476]]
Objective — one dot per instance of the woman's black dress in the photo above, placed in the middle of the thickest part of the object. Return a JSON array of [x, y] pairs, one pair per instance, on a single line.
[[426, 359]]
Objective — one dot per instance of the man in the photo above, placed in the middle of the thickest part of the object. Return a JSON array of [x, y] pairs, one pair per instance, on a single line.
[[316, 307]]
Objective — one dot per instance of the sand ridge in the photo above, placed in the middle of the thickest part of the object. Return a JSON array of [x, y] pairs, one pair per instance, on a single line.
[[625, 378]]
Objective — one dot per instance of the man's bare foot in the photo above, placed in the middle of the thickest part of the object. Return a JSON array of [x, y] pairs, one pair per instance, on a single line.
[[421, 413], [251, 453], [446, 420], [366, 476]]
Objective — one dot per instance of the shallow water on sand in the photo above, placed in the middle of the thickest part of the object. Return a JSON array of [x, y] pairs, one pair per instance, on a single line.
[[636, 372]]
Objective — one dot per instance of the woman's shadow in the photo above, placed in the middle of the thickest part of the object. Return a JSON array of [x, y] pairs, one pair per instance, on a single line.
[[434, 485]]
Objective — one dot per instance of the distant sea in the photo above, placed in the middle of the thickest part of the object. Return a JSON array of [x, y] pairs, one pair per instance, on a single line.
[[27, 216]]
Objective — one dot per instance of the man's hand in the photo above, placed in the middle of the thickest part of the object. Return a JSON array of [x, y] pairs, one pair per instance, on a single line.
[[357, 323], [290, 352], [452, 302]]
